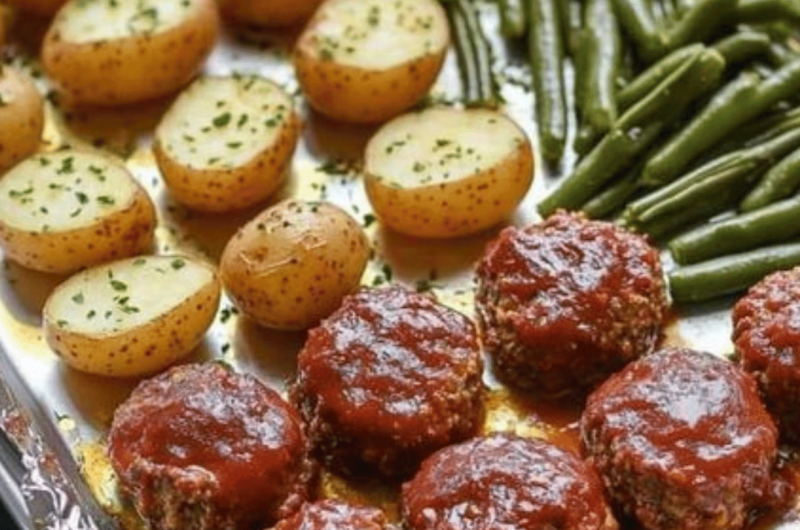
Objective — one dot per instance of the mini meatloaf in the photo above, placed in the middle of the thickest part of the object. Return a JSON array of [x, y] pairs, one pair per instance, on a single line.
[[505, 481], [766, 332], [565, 303], [682, 442], [335, 515], [199, 447], [386, 380]]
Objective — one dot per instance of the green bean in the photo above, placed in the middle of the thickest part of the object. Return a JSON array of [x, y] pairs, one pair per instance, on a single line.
[[586, 139], [774, 224], [743, 46], [613, 154], [740, 101], [637, 19], [663, 228], [699, 22], [764, 10], [613, 197], [765, 129], [780, 54], [600, 55], [546, 57], [647, 81], [726, 170], [636, 131], [512, 18], [489, 95], [780, 182], [467, 61], [569, 18], [730, 274]]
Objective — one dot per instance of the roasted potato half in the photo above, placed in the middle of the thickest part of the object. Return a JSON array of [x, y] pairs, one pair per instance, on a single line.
[[291, 266], [60, 212], [112, 53], [132, 317], [268, 13], [227, 142], [370, 60], [445, 172], [43, 8], [21, 117]]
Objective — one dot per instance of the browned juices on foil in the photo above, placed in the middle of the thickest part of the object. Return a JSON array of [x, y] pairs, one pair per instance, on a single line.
[[505, 481], [565, 303], [389, 378], [683, 441], [335, 515], [767, 337], [201, 447]]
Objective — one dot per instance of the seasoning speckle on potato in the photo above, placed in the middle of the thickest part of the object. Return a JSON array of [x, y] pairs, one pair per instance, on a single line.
[[369, 60], [132, 317], [21, 116], [127, 51], [63, 211], [227, 142], [446, 172], [291, 266]]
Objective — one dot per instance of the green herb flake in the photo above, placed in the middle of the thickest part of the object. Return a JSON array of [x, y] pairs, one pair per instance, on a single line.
[[118, 285], [222, 120]]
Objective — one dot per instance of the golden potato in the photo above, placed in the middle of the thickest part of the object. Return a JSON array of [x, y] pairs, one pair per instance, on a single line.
[[268, 13], [227, 142], [21, 117], [369, 60], [43, 8], [446, 172], [60, 212], [132, 317], [291, 266], [125, 51]]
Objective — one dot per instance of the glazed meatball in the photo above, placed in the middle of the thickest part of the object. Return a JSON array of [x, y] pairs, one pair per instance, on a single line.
[[505, 481], [335, 515], [767, 336], [565, 303], [387, 379], [683, 442], [200, 447]]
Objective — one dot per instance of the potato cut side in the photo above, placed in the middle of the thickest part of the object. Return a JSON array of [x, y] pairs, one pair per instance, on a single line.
[[446, 172], [64, 191], [101, 52], [63, 211], [83, 21], [376, 34], [134, 316], [222, 123], [21, 116]]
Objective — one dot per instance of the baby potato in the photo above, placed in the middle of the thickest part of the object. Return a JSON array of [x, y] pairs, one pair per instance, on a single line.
[[60, 212], [113, 53], [369, 60], [21, 117], [268, 13], [291, 266], [43, 8], [446, 172], [132, 317], [227, 142]]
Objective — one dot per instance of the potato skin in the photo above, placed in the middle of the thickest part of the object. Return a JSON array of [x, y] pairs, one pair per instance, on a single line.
[[125, 233], [129, 70], [458, 208], [268, 13], [225, 190], [43, 8], [291, 265], [21, 120], [144, 350]]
